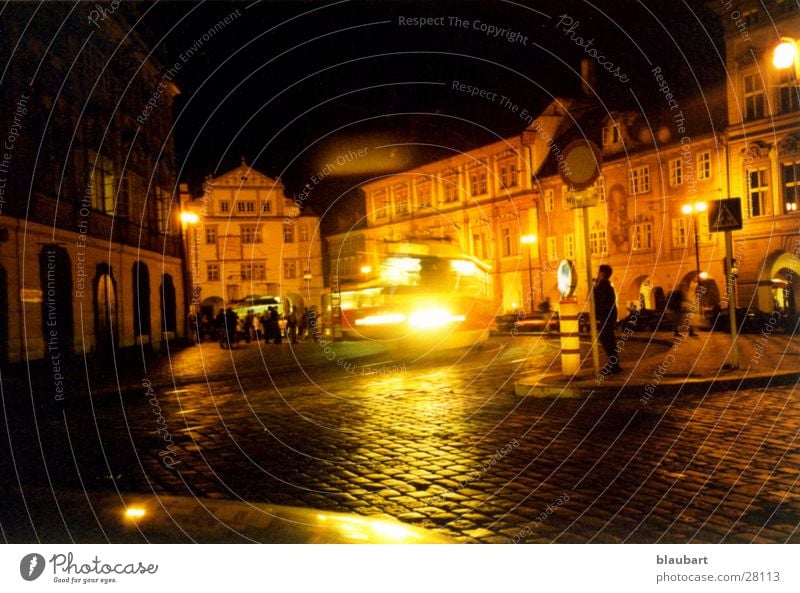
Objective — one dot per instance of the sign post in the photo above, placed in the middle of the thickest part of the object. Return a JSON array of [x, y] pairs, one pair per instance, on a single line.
[[726, 216], [581, 168]]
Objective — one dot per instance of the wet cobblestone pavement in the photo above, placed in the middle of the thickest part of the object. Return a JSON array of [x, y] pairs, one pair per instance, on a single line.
[[436, 441]]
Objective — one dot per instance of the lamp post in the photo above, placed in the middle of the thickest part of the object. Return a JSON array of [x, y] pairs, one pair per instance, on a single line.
[[529, 240], [188, 244], [694, 210]]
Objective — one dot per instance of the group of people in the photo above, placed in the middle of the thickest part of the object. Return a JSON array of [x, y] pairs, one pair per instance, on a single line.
[[228, 328]]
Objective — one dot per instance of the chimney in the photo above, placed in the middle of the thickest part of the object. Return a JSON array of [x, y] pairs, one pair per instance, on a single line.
[[588, 77]]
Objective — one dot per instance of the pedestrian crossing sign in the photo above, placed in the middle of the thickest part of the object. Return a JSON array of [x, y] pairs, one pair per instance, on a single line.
[[725, 215]]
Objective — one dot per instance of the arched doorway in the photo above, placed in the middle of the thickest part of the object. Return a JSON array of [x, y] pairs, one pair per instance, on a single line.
[[105, 309], [779, 287], [169, 306], [55, 277], [141, 303]]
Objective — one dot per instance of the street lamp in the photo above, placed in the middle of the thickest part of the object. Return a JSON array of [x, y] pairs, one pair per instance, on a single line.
[[529, 240], [307, 278], [785, 55], [189, 257], [694, 210]]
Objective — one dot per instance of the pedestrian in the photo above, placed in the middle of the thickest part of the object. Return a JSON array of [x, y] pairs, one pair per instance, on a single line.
[[265, 326], [219, 327], [605, 308], [675, 306], [291, 326], [303, 325], [249, 321], [275, 326]]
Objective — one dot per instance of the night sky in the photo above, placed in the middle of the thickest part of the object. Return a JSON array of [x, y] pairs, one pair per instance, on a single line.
[[292, 86]]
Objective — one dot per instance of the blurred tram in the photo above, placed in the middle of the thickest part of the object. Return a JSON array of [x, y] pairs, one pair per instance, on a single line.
[[426, 294]]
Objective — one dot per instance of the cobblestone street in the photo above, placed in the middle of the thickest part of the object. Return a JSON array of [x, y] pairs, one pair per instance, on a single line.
[[439, 442]]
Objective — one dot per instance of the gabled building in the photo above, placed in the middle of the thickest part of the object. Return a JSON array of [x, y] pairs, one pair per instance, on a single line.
[[251, 240]]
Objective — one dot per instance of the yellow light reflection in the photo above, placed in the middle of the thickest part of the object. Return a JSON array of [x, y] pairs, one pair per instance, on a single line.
[[134, 513], [463, 267]]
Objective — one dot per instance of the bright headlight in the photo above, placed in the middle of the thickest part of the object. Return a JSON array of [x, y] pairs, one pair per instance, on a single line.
[[432, 318], [384, 319]]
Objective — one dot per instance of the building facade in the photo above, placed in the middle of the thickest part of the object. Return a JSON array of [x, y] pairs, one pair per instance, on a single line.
[[248, 240], [90, 250], [507, 204], [763, 146]]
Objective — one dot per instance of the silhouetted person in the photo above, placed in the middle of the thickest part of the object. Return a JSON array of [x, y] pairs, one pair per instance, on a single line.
[[605, 307]]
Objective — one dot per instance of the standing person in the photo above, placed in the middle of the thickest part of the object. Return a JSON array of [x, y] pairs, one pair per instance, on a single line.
[[249, 321], [675, 305], [303, 325], [274, 325], [291, 326], [605, 307]]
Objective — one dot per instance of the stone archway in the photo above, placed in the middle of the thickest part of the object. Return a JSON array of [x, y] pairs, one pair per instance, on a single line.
[[779, 286], [55, 276], [105, 310]]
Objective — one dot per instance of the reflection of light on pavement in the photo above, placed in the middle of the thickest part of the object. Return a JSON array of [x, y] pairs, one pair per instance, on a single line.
[[134, 513], [369, 530]]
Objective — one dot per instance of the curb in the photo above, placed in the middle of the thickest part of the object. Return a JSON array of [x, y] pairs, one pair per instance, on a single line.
[[547, 386]]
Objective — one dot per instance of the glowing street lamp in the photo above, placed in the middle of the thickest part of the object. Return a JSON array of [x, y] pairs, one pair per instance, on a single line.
[[530, 240], [785, 55], [694, 210]]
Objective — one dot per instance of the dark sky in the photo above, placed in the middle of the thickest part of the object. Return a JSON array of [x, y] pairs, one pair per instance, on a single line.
[[295, 85]]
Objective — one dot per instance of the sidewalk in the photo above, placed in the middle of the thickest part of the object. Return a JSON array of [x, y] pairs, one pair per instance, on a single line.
[[660, 364]]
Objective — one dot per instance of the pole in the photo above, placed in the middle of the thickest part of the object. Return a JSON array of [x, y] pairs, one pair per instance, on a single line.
[[530, 279], [731, 300], [592, 314]]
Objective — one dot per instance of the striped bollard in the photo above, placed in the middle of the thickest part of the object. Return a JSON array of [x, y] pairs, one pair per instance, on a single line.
[[570, 337]]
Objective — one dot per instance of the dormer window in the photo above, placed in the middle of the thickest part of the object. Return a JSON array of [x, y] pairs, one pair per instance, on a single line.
[[611, 135]]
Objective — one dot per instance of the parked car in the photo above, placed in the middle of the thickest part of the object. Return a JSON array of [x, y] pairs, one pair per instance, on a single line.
[[527, 322], [753, 321]]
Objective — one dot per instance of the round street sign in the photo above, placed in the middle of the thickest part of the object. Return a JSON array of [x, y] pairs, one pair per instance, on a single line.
[[581, 166], [567, 278]]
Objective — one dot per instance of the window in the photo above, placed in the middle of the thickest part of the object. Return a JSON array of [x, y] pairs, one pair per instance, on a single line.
[[401, 201], [478, 183], [245, 206], [611, 135], [250, 233], [424, 195], [509, 240], [639, 180], [450, 185], [101, 177], [211, 235], [380, 204], [788, 92], [598, 242], [552, 249], [289, 269], [303, 232], [675, 172], [549, 200], [679, 232], [266, 207], [704, 165], [600, 188], [757, 192], [569, 246], [753, 97], [224, 206], [164, 210], [642, 236], [791, 186], [508, 175], [253, 271], [212, 272], [288, 233]]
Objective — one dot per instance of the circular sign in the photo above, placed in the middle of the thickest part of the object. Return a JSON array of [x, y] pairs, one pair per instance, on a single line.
[[567, 278], [581, 165]]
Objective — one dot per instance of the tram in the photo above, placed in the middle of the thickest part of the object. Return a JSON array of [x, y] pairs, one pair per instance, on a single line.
[[427, 294]]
